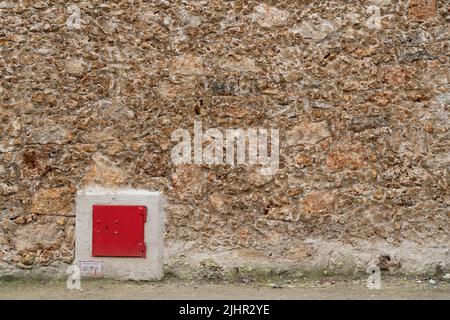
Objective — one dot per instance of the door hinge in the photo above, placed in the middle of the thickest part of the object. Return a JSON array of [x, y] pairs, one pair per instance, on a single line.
[[144, 250], [143, 212]]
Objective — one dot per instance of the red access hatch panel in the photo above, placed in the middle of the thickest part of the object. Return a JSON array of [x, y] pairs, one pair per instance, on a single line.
[[118, 231]]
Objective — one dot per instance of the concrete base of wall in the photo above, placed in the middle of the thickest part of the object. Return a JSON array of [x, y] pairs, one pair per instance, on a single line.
[[330, 258], [147, 268]]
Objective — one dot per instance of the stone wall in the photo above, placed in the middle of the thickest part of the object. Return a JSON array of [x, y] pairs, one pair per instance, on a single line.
[[361, 101]]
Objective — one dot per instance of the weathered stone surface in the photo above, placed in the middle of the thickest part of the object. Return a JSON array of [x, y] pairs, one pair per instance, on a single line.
[[421, 9], [6, 189], [318, 202], [347, 156], [7, 5], [238, 63], [268, 17], [74, 67], [361, 107], [49, 134], [217, 201], [27, 258], [103, 172], [70, 235], [256, 178], [360, 124], [307, 133], [396, 75], [284, 213], [188, 179], [45, 257], [415, 54], [187, 65], [171, 90], [55, 201], [315, 31], [35, 236]]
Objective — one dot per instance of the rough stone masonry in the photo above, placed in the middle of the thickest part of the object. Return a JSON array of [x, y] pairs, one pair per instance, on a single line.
[[358, 89]]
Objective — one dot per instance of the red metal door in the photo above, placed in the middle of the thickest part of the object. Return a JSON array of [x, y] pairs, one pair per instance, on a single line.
[[118, 231]]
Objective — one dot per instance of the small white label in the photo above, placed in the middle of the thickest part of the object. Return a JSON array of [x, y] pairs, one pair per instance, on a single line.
[[91, 269]]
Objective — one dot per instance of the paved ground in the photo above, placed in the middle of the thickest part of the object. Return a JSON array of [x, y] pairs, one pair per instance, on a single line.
[[328, 288]]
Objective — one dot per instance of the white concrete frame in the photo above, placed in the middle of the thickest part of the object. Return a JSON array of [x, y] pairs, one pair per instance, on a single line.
[[122, 268]]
